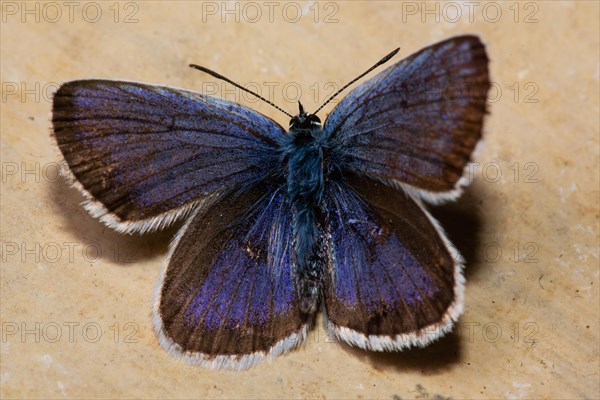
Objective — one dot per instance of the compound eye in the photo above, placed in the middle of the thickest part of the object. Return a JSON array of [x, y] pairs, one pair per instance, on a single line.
[[315, 120], [294, 121]]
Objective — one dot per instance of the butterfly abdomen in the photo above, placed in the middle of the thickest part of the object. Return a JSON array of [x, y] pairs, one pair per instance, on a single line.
[[305, 178]]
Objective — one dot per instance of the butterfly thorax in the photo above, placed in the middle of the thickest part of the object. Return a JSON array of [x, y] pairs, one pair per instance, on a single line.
[[304, 153]]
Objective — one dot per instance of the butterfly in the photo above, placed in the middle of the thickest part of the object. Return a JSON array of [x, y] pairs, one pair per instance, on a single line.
[[280, 224]]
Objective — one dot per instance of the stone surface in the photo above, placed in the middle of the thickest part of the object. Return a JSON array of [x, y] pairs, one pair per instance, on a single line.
[[75, 296]]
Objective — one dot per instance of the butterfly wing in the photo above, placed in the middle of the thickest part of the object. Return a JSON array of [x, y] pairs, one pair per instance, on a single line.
[[416, 123], [227, 297], [145, 155], [393, 279]]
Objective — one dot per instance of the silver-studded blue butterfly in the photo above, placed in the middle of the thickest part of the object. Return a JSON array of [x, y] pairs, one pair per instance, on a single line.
[[282, 223]]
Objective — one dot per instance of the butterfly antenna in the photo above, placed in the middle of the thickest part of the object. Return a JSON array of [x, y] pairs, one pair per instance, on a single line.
[[219, 76], [382, 61]]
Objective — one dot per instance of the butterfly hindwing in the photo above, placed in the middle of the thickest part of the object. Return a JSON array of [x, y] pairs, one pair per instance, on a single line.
[[417, 122], [392, 281], [227, 297], [144, 155]]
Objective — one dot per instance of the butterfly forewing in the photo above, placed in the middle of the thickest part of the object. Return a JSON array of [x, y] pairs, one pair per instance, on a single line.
[[144, 154], [392, 280], [227, 297], [418, 121]]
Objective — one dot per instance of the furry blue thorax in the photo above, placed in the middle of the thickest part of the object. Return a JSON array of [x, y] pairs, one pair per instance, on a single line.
[[304, 156]]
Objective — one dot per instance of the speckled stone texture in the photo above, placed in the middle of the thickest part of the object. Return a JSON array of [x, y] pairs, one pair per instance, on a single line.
[[75, 296]]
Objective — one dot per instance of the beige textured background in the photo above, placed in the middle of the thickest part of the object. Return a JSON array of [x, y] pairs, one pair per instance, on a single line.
[[75, 296]]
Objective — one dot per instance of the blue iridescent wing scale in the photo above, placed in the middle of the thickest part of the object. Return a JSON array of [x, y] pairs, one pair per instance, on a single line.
[[145, 155], [416, 124], [393, 280], [227, 297]]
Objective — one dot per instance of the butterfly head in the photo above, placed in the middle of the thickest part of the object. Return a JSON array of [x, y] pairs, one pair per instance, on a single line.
[[304, 121]]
